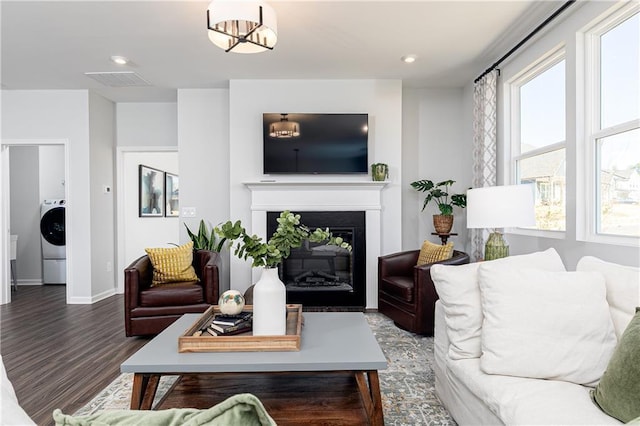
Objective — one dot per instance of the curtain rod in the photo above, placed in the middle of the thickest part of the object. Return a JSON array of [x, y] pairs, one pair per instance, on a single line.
[[526, 39]]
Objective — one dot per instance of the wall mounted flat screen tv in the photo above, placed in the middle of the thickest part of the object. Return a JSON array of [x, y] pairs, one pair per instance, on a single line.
[[315, 143]]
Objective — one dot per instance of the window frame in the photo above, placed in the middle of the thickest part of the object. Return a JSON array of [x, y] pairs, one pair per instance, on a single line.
[[512, 87], [588, 146]]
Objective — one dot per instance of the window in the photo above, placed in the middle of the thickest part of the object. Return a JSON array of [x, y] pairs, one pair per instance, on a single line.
[[539, 133], [614, 128]]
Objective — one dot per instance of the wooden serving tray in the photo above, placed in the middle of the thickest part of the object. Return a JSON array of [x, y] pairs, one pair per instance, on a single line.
[[245, 342]]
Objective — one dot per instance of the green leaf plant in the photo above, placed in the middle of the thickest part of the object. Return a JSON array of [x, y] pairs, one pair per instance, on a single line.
[[289, 234], [439, 193], [203, 240]]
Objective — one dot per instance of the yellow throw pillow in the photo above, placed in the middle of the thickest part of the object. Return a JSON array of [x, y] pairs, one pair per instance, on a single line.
[[172, 265], [431, 252]]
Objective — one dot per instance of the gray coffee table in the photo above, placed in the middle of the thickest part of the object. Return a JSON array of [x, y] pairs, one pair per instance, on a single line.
[[330, 341]]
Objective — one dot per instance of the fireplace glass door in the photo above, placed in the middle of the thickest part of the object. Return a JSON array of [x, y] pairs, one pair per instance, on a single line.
[[321, 275]]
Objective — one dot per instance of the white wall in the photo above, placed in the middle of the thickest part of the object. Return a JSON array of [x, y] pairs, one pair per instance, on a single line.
[[437, 147], [142, 232], [61, 114], [102, 139], [146, 133], [381, 99], [567, 245], [25, 212], [411, 220], [147, 124], [203, 141], [51, 172]]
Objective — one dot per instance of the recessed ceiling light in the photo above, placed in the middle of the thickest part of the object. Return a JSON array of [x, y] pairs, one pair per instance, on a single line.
[[409, 58], [120, 60]]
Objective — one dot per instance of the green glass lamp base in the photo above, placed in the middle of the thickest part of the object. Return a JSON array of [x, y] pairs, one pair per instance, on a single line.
[[496, 247]]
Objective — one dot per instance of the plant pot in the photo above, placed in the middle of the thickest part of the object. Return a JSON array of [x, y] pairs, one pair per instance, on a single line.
[[442, 223], [269, 305]]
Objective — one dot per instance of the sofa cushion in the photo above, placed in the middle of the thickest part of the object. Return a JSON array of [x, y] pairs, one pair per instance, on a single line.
[[545, 324], [398, 286], [457, 287], [618, 393], [623, 289], [188, 293], [172, 265], [430, 252], [525, 401]]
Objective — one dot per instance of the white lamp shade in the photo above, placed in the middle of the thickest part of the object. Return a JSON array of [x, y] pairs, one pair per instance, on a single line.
[[243, 11], [501, 206]]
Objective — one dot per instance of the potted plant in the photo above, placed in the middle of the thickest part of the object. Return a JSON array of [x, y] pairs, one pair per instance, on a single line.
[[269, 294], [439, 193], [204, 240]]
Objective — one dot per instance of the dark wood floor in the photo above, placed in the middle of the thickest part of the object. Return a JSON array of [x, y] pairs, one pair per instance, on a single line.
[[59, 355]]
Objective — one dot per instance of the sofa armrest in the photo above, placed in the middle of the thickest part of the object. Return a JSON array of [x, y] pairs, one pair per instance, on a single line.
[[397, 264], [11, 411], [207, 264], [137, 277]]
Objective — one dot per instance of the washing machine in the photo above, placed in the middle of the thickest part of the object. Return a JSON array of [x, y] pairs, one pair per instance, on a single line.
[[52, 236]]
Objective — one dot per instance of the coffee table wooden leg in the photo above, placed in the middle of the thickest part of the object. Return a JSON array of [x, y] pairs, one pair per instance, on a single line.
[[369, 387], [144, 390], [374, 387]]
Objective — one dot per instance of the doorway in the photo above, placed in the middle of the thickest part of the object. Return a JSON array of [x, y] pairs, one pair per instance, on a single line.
[[31, 234]]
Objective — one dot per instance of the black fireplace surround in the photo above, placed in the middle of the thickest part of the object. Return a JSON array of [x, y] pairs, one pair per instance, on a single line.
[[322, 276]]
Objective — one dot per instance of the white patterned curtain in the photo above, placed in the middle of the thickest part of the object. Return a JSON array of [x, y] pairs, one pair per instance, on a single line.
[[484, 146]]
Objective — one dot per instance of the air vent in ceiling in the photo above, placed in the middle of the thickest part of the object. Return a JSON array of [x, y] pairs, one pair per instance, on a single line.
[[118, 79]]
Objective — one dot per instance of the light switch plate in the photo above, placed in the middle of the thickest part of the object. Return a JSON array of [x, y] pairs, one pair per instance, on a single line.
[[188, 212]]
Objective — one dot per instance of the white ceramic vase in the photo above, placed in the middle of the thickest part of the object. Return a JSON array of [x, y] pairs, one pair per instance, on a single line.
[[269, 305]]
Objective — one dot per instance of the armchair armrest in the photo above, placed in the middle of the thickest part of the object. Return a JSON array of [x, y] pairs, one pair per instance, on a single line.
[[397, 264], [137, 276], [207, 264]]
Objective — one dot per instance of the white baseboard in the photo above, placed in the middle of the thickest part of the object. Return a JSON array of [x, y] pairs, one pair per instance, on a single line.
[[30, 282], [103, 295], [93, 299]]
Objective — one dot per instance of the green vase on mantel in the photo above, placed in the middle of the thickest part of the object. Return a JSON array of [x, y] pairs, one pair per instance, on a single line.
[[379, 172]]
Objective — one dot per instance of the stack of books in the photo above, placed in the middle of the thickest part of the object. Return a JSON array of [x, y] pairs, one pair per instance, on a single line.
[[228, 325]]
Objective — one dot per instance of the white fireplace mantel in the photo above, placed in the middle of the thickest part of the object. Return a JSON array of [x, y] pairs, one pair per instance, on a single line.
[[300, 196]]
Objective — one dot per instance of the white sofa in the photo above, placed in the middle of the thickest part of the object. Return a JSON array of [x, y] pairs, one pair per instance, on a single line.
[[10, 411], [521, 388]]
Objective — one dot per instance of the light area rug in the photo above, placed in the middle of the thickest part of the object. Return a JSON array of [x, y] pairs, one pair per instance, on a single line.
[[407, 385]]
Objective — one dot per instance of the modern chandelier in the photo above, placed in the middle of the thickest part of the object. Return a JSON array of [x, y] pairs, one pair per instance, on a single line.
[[242, 26], [284, 128]]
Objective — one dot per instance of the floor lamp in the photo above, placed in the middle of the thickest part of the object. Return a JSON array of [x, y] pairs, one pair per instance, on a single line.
[[500, 207]]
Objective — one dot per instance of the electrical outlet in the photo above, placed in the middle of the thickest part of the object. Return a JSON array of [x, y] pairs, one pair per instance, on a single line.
[[188, 212], [109, 267]]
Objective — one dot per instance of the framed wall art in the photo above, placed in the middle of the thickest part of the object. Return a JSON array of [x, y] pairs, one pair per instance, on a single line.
[[172, 195], [151, 190]]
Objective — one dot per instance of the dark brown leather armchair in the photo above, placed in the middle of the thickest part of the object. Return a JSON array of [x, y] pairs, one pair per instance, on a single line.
[[149, 310], [405, 291]]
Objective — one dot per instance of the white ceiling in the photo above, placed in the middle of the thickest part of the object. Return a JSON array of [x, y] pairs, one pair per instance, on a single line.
[[51, 44]]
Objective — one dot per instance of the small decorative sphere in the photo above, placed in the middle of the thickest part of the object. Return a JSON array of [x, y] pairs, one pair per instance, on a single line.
[[231, 302]]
